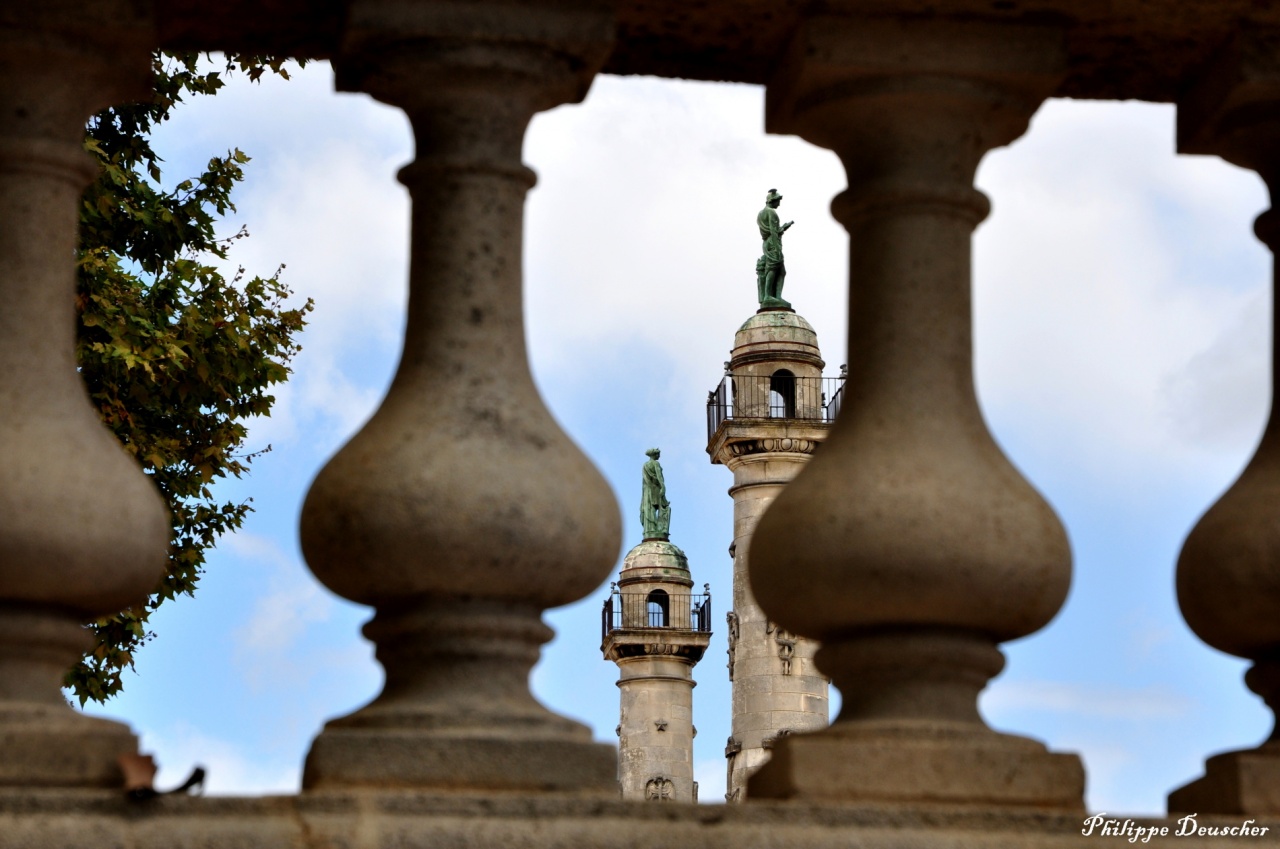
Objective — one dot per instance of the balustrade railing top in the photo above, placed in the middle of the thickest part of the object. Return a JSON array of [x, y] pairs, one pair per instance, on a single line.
[[750, 396], [668, 611]]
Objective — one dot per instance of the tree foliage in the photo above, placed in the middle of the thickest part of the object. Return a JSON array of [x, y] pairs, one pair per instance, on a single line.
[[176, 356]]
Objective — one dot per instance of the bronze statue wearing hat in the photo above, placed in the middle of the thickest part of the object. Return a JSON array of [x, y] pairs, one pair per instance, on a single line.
[[655, 509], [771, 270]]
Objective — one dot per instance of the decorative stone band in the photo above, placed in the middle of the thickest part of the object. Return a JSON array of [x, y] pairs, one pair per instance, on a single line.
[[665, 649], [50, 158], [764, 446], [457, 168], [877, 199]]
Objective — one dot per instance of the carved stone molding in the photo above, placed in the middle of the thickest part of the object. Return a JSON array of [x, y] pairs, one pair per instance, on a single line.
[[785, 642], [772, 444], [732, 618], [767, 742], [731, 749], [659, 789]]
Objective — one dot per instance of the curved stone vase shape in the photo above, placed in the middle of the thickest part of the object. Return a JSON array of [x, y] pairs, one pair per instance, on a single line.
[[910, 546], [461, 510], [83, 533], [1228, 576]]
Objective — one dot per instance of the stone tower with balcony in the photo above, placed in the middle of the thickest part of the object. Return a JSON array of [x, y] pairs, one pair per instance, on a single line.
[[656, 629], [772, 409]]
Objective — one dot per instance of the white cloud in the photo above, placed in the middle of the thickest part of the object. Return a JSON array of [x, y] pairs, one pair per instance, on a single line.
[[1101, 312], [321, 198], [280, 617], [1220, 398], [641, 233], [1087, 700]]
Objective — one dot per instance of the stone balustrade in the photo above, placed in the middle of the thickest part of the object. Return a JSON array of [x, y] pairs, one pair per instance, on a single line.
[[461, 511]]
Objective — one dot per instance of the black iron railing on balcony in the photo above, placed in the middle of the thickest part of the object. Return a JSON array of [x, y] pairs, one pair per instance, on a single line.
[[781, 395], [657, 609]]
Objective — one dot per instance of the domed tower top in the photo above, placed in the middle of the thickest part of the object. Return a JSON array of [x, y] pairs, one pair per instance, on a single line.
[[776, 336]]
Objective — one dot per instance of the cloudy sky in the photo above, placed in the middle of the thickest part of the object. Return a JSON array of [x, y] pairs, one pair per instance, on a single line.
[[1121, 354]]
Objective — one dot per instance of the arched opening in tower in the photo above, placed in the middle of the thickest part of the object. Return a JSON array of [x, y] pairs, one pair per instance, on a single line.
[[659, 609], [782, 395]]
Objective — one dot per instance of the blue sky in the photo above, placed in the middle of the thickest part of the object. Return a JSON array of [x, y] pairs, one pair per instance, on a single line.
[[1121, 356]]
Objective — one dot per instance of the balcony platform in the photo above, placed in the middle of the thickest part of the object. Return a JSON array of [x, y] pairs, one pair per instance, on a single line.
[[738, 436]]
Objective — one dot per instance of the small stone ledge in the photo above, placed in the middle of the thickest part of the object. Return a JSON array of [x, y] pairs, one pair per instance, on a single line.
[[381, 820]]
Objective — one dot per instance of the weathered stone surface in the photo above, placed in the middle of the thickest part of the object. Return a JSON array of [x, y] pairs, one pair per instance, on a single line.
[[83, 533], [1246, 782], [910, 546], [463, 459], [1116, 50], [382, 820], [1228, 575], [924, 761]]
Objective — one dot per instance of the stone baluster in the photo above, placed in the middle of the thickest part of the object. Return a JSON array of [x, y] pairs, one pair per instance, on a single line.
[[910, 546], [1229, 570], [461, 511], [83, 533]]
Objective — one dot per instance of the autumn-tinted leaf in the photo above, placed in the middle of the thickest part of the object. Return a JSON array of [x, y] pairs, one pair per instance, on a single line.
[[173, 354]]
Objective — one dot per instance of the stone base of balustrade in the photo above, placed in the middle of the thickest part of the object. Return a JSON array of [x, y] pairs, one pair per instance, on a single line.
[[53, 745], [1244, 782], [383, 819], [386, 758], [923, 764]]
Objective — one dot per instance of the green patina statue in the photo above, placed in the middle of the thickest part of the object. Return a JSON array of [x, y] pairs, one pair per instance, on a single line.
[[655, 509], [771, 271]]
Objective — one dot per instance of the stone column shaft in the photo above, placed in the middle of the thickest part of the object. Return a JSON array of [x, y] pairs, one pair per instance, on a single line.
[[655, 728], [920, 546], [461, 510], [83, 533], [1228, 574], [772, 696]]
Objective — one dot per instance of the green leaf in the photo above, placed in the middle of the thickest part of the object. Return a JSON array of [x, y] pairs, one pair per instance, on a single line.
[[174, 355]]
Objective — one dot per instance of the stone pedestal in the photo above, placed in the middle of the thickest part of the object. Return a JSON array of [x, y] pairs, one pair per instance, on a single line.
[[83, 533], [461, 510], [1229, 570], [910, 546]]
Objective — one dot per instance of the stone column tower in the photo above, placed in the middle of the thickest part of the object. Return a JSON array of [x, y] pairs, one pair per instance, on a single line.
[[656, 629], [766, 418]]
